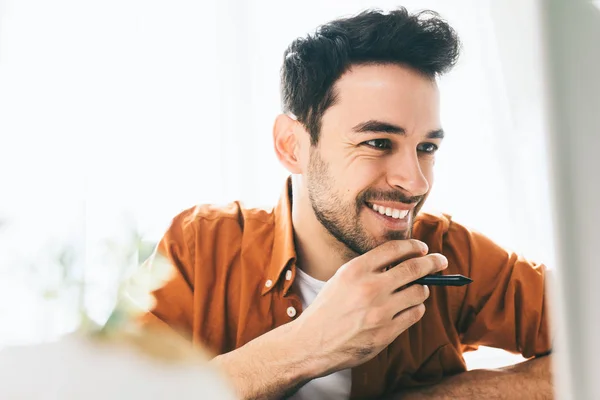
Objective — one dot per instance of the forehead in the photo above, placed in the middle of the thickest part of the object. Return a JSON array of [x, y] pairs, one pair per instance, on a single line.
[[391, 93]]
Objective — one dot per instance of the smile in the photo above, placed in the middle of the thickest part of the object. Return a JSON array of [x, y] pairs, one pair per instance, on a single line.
[[390, 212]]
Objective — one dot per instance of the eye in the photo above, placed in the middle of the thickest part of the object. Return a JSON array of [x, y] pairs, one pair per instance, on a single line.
[[379, 144], [428, 148]]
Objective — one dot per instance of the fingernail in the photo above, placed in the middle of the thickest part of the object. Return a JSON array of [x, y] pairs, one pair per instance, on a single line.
[[424, 247]]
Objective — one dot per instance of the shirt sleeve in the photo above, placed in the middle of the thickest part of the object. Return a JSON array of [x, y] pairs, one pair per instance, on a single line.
[[173, 300], [506, 305]]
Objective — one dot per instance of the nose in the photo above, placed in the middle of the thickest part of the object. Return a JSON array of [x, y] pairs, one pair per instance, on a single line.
[[405, 172]]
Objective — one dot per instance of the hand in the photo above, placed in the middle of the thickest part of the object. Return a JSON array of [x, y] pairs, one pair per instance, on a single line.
[[365, 305]]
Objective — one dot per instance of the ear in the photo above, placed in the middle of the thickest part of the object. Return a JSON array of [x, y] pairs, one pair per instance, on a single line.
[[287, 142]]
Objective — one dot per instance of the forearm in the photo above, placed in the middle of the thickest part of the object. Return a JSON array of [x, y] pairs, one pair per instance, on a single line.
[[268, 367], [531, 379]]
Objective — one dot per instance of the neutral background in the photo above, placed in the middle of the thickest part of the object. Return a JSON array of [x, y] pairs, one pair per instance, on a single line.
[[116, 115]]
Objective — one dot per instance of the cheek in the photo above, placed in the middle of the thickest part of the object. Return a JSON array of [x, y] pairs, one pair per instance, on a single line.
[[361, 173], [426, 165]]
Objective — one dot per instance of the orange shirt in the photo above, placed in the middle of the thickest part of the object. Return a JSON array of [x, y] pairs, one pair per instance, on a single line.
[[235, 269]]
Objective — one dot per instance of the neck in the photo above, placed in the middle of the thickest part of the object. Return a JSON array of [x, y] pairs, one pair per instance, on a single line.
[[318, 253]]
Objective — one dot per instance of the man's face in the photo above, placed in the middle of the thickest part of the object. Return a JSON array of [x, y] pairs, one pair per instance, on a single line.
[[373, 166]]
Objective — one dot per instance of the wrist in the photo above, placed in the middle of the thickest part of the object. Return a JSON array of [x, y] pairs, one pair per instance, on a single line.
[[270, 365], [303, 352]]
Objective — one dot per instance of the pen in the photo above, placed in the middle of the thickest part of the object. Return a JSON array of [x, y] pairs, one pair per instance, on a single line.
[[444, 280]]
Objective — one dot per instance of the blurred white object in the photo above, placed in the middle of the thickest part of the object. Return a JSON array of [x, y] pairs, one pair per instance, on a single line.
[[571, 37], [77, 368]]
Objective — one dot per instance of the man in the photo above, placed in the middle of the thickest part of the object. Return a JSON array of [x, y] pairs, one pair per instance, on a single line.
[[315, 299]]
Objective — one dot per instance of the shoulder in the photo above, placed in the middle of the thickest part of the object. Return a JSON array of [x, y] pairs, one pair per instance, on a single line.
[[233, 215], [432, 228], [442, 231], [205, 225], [463, 246], [427, 221]]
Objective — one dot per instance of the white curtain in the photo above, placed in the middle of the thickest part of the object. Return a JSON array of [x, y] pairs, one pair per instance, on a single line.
[[116, 115]]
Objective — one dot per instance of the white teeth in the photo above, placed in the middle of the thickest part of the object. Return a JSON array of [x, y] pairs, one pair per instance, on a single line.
[[390, 212]]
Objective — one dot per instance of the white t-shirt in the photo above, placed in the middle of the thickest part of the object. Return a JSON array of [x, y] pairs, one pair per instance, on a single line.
[[335, 386]]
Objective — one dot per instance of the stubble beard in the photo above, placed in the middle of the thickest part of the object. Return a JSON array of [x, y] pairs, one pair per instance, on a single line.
[[341, 218]]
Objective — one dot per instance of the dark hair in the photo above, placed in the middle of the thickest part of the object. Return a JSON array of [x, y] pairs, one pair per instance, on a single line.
[[313, 64]]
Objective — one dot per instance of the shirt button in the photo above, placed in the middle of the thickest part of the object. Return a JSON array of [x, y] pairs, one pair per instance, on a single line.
[[288, 275], [291, 312], [269, 283]]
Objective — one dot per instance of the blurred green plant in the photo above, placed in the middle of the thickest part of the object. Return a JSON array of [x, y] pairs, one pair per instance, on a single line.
[[142, 270], [59, 272]]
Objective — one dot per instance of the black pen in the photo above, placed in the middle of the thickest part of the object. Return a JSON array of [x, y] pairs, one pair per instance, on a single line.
[[444, 280]]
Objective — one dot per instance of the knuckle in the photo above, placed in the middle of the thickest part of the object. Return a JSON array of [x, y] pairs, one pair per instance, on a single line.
[[416, 313], [348, 271], [403, 246], [375, 317], [389, 246], [366, 290], [393, 247], [413, 268]]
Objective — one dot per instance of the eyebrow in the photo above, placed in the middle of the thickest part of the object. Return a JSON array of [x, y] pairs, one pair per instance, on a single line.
[[386, 127]]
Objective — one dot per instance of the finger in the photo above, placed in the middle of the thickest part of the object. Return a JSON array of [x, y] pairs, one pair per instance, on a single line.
[[412, 296], [391, 253], [410, 270], [407, 318]]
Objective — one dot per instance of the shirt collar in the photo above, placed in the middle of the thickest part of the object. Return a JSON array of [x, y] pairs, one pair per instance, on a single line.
[[284, 250]]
